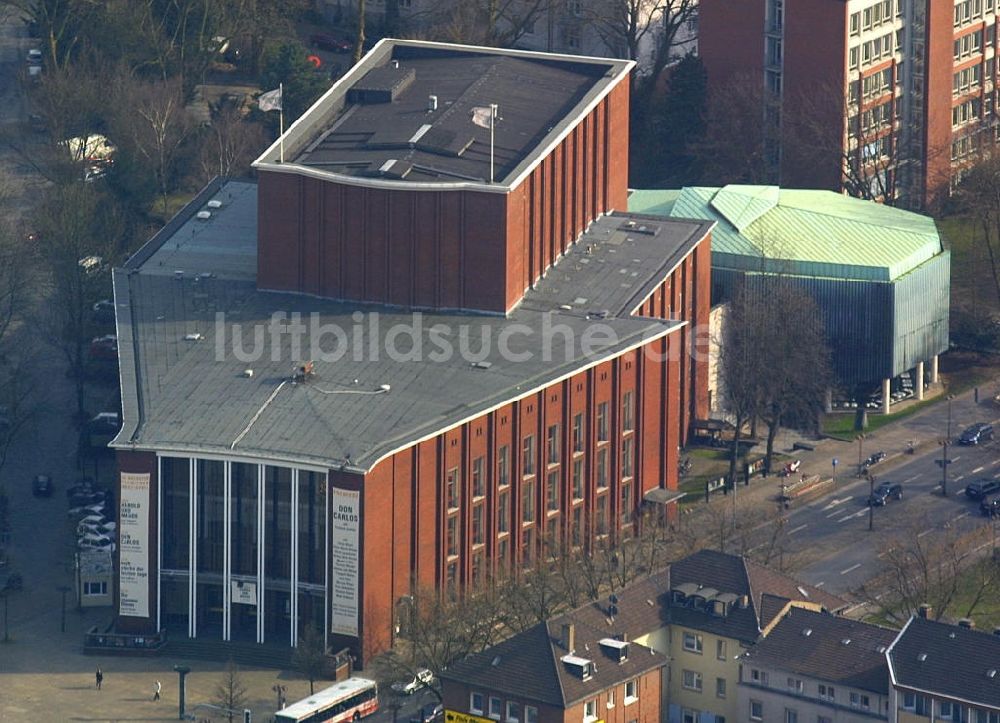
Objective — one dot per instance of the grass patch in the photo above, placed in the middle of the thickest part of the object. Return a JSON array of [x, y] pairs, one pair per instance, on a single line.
[[841, 426], [175, 202]]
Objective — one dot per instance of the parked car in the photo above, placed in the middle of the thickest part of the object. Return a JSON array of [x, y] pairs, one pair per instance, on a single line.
[[990, 506], [874, 459], [41, 486], [34, 57], [977, 433], [422, 679], [104, 347], [982, 488], [885, 492], [104, 312], [325, 41], [429, 714]]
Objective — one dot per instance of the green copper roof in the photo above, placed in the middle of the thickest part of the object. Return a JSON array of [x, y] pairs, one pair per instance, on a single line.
[[801, 232]]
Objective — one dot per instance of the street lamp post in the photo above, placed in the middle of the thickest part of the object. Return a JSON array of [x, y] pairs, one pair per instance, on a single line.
[[182, 670], [62, 624], [944, 453], [871, 502], [861, 439]]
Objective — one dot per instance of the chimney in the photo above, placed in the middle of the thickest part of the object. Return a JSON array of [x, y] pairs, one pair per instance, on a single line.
[[996, 631], [432, 103], [967, 623], [569, 637], [925, 611]]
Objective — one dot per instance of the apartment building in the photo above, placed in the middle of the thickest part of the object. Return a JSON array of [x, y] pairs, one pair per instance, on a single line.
[[888, 99]]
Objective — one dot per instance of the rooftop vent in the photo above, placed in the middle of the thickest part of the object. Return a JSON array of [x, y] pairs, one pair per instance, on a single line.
[[807, 632], [381, 387], [495, 662], [303, 371], [203, 215], [881, 649], [432, 103], [615, 649], [925, 611], [248, 373], [967, 623], [991, 673], [214, 203], [568, 637], [193, 337], [381, 85], [845, 641], [580, 667], [922, 657]]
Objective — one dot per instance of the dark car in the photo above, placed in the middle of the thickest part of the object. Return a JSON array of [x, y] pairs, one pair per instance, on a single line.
[[874, 459], [104, 312], [325, 41], [982, 488], [41, 486], [976, 434], [429, 714], [885, 492], [990, 506]]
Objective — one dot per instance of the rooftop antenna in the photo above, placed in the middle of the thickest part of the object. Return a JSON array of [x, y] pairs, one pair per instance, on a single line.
[[493, 122]]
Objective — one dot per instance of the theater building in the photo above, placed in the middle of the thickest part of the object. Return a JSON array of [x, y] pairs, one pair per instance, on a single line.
[[426, 343]]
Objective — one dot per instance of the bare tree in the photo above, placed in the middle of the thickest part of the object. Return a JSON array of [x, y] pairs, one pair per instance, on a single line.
[[498, 23], [59, 24], [230, 144], [623, 26], [231, 692], [310, 655], [979, 197]]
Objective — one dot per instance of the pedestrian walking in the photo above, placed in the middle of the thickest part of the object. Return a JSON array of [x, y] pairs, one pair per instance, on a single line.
[[156, 691], [99, 677]]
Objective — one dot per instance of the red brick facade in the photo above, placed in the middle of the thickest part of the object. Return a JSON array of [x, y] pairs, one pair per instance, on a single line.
[[458, 249]]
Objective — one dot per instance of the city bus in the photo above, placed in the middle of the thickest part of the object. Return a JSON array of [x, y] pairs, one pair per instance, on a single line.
[[348, 700]]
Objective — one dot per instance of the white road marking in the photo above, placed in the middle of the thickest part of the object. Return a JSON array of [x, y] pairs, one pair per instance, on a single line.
[[925, 532], [955, 459], [801, 527], [820, 584], [910, 479], [964, 514], [996, 461], [977, 470], [834, 502], [852, 568]]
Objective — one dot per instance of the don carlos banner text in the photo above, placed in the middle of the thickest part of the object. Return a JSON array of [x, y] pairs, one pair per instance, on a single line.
[[346, 514], [133, 556]]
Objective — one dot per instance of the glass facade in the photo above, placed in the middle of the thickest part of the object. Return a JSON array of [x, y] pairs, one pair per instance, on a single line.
[[258, 543]]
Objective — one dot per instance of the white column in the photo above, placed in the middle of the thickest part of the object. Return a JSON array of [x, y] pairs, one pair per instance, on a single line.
[[828, 400], [934, 369], [326, 558], [227, 539], [193, 550], [920, 380], [159, 541], [294, 577], [260, 553], [886, 389]]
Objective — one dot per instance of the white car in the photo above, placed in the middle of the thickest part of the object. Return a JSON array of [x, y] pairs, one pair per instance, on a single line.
[[422, 679]]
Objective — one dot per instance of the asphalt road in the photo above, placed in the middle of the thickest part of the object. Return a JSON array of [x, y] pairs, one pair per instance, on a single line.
[[832, 532]]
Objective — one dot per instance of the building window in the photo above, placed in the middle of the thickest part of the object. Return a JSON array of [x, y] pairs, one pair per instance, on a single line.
[[689, 716], [571, 36], [824, 719], [795, 685], [452, 485], [578, 479], [576, 534], [602, 468], [503, 466], [628, 411], [627, 507], [756, 710], [477, 524], [478, 478], [601, 523], [692, 680], [553, 444], [791, 715], [945, 709], [495, 708], [602, 422], [530, 714], [826, 692], [628, 445], [552, 535], [692, 642], [528, 455], [611, 698], [578, 433], [859, 700], [528, 501], [552, 491], [527, 546], [452, 576], [631, 691], [95, 588], [503, 547], [503, 512], [720, 687], [453, 535], [720, 649], [758, 676], [476, 703], [590, 711], [513, 712], [856, 23]]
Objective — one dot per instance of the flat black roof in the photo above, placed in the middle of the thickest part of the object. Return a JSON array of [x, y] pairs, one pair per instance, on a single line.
[[416, 112]]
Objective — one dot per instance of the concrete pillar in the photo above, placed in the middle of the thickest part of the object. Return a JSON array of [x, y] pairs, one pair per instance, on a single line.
[[934, 371], [828, 401], [885, 395], [920, 381]]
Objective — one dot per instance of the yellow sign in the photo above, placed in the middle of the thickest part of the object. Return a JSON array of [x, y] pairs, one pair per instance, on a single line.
[[453, 716]]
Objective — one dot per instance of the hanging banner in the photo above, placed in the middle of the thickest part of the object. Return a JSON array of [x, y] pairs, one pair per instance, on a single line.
[[133, 546], [345, 506], [243, 592]]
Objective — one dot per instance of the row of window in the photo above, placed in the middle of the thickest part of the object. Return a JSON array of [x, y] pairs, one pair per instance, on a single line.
[[871, 17], [510, 711], [946, 710], [968, 11], [692, 681], [966, 112], [694, 643], [968, 45], [95, 588], [860, 701], [965, 80], [876, 49]]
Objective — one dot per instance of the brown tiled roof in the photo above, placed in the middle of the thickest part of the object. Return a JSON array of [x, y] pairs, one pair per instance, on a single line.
[[813, 644]]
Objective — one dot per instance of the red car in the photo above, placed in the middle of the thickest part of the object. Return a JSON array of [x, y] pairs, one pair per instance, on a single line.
[[104, 347]]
